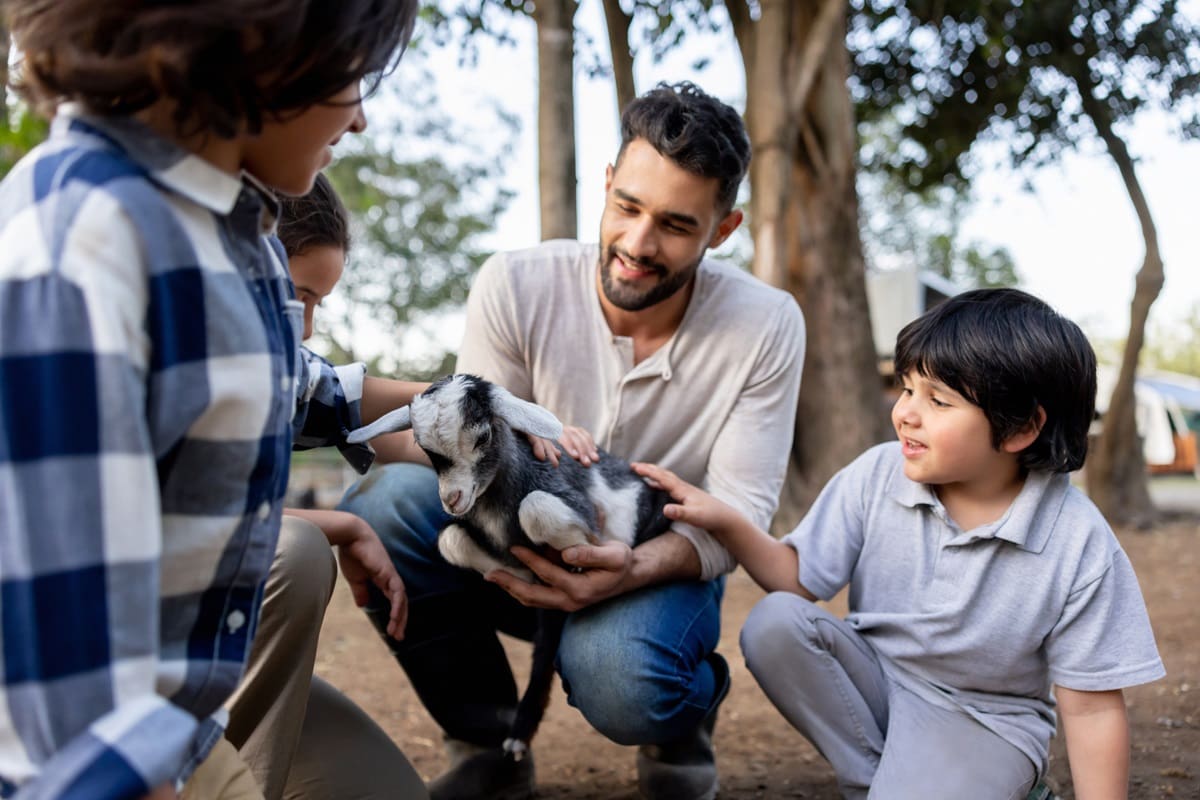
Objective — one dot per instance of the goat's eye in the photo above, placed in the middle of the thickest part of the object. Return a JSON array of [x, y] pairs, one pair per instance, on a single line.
[[482, 439], [439, 461]]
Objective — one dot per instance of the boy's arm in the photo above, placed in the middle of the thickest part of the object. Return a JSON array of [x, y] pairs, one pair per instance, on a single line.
[[772, 564], [363, 560], [381, 395], [1097, 734]]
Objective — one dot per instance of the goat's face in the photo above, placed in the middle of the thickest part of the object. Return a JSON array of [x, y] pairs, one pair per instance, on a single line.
[[454, 423]]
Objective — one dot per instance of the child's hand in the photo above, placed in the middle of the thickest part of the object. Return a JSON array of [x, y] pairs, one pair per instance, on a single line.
[[578, 443], [692, 505], [365, 561]]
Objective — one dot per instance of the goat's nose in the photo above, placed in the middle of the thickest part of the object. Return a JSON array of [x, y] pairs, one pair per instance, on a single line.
[[453, 498]]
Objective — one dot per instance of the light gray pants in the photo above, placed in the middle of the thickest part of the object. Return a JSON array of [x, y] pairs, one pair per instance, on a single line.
[[301, 738], [883, 741]]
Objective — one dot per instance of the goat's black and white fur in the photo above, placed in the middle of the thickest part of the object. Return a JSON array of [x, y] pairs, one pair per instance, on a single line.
[[501, 495]]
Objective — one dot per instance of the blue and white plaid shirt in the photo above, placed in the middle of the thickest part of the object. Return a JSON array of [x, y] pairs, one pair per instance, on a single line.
[[149, 361]]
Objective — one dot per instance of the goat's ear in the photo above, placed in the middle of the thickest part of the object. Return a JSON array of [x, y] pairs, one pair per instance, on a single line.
[[525, 416], [398, 420]]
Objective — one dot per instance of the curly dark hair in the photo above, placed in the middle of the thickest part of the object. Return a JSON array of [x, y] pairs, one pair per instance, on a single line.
[[224, 65], [1009, 353], [695, 130], [317, 219]]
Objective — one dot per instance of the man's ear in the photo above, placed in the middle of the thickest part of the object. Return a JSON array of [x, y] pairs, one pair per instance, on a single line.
[[726, 227], [1026, 435]]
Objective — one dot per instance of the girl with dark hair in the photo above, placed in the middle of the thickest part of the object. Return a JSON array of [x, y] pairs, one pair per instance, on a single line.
[[984, 589], [151, 379]]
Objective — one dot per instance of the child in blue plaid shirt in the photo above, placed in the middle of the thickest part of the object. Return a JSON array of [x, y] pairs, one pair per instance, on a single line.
[[151, 379]]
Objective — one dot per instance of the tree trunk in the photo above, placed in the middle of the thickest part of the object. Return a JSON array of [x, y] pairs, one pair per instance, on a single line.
[[556, 117], [4, 44], [618, 24], [1116, 468], [804, 208]]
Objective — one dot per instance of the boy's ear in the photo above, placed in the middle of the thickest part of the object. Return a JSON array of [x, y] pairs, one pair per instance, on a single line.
[[1027, 435]]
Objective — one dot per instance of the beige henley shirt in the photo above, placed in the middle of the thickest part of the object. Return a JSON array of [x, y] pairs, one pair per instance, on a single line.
[[716, 404]]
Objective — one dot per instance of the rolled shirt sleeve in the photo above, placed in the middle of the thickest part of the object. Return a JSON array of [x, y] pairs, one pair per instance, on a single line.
[[329, 406]]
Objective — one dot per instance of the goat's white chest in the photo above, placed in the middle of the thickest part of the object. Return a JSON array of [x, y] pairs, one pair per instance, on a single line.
[[494, 526]]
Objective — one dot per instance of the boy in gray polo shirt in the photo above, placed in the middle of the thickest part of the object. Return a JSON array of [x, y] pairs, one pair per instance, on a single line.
[[984, 588]]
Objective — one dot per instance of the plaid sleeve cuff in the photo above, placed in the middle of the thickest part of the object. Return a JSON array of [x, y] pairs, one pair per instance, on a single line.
[[124, 754]]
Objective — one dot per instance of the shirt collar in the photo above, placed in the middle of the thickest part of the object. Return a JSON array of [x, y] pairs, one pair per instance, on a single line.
[[1027, 522], [165, 162]]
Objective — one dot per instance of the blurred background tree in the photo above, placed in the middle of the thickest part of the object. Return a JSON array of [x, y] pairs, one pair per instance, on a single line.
[[1037, 79]]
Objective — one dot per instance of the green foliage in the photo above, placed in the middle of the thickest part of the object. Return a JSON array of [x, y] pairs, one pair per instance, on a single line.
[[418, 225], [1012, 70], [921, 228], [21, 132], [1174, 346]]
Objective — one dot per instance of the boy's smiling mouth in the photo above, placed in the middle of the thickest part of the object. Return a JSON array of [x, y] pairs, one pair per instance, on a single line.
[[912, 447]]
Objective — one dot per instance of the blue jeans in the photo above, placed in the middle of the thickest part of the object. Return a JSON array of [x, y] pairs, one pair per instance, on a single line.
[[642, 667]]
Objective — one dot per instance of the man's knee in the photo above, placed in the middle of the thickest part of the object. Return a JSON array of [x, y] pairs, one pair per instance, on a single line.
[[632, 696]]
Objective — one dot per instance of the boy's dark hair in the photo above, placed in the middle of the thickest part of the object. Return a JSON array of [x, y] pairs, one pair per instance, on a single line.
[[1009, 353], [317, 219], [695, 130], [223, 64]]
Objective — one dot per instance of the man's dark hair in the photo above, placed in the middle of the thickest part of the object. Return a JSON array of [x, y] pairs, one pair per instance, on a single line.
[[1009, 353], [317, 219], [224, 65], [695, 130]]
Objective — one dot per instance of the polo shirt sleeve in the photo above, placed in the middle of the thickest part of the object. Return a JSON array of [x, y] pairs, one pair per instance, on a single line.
[[1103, 640], [493, 346], [749, 457], [830, 538]]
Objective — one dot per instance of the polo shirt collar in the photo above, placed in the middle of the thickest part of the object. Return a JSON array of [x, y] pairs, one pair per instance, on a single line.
[[165, 162], [1027, 522]]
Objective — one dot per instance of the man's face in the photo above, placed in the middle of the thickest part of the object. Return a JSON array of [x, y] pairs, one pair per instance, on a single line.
[[658, 220]]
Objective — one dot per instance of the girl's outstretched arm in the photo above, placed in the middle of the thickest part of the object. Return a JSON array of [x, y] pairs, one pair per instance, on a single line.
[[772, 564]]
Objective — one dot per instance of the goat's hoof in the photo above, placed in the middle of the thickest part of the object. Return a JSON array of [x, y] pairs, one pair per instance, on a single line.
[[516, 749]]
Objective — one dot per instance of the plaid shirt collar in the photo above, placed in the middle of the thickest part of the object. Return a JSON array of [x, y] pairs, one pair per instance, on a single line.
[[171, 166]]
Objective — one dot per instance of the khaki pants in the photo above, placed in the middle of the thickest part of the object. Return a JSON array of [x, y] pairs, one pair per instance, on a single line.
[[222, 776], [297, 736]]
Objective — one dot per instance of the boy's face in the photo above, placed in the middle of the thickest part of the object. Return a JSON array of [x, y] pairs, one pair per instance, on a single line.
[[315, 272], [289, 152], [946, 439], [658, 220]]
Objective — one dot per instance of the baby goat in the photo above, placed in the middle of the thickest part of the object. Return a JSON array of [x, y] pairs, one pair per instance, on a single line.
[[500, 495]]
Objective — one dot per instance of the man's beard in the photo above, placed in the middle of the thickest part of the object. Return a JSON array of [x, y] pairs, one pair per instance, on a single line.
[[627, 298]]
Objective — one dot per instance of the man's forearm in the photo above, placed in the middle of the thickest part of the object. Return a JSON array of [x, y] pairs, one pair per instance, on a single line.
[[669, 557]]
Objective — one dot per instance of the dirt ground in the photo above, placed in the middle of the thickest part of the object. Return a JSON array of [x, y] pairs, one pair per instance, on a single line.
[[758, 753]]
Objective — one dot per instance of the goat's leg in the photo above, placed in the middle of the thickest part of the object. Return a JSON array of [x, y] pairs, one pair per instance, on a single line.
[[459, 549], [546, 519], [532, 706]]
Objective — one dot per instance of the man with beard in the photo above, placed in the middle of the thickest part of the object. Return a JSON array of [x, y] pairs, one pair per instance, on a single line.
[[662, 356]]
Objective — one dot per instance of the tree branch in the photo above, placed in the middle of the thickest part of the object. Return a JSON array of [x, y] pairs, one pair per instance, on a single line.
[[813, 53], [618, 24]]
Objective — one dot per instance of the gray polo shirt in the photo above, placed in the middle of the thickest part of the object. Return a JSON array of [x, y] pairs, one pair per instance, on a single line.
[[985, 620]]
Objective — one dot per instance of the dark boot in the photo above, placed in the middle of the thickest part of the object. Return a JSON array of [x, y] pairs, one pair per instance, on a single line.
[[685, 769], [483, 773]]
